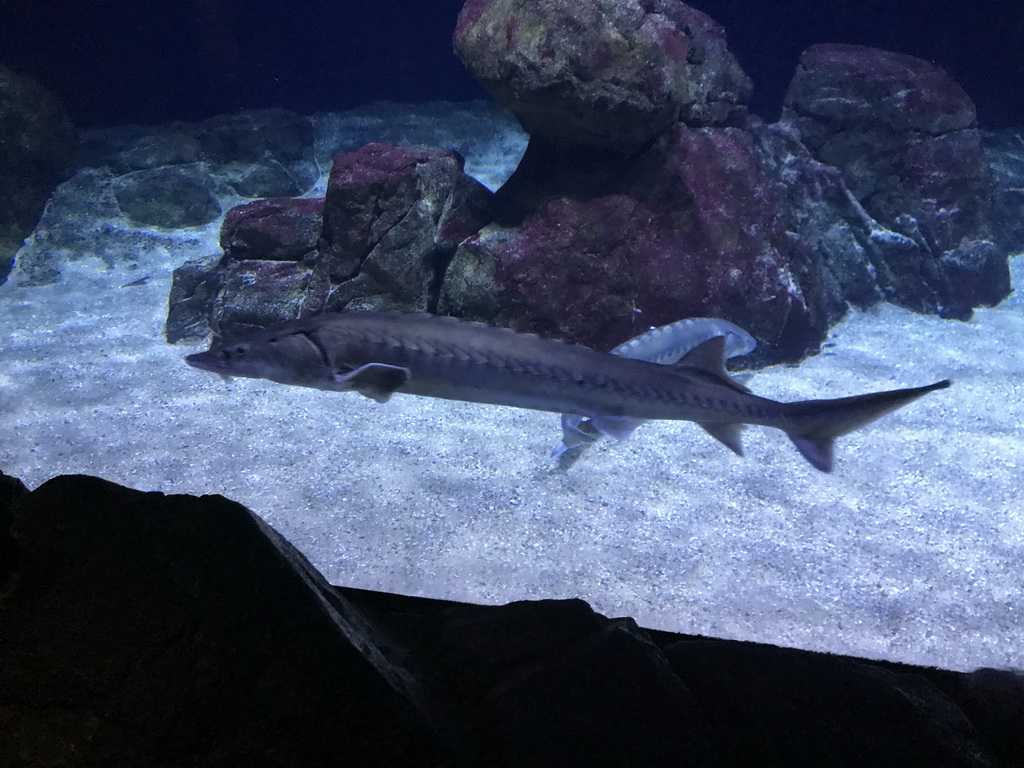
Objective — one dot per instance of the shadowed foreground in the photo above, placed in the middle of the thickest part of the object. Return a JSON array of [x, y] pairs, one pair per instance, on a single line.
[[146, 629]]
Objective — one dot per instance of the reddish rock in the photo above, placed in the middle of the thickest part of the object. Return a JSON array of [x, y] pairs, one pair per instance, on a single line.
[[903, 134], [277, 228], [381, 198], [688, 230], [380, 239], [254, 294], [853, 83], [611, 74]]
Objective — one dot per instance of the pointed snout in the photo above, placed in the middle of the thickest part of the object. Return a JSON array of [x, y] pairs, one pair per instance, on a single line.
[[205, 361]]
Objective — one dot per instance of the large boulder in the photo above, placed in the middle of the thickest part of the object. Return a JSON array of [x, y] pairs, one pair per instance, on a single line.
[[904, 135], [37, 145], [595, 250], [381, 239], [610, 74], [874, 187], [144, 629]]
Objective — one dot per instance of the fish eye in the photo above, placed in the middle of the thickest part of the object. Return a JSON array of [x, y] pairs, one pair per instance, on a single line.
[[227, 354]]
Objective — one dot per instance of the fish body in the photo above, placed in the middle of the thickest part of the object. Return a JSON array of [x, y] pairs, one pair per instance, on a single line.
[[380, 353], [665, 345]]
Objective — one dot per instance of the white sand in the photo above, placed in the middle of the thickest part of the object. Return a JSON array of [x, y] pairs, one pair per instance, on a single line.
[[910, 551]]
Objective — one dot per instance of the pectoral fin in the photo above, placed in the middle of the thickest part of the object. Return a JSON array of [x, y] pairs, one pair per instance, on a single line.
[[575, 432], [374, 380]]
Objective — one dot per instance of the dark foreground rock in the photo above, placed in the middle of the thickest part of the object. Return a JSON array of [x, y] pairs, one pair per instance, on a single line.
[[142, 629]]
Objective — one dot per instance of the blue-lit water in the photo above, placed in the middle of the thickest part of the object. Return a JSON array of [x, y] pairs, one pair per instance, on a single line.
[[911, 550]]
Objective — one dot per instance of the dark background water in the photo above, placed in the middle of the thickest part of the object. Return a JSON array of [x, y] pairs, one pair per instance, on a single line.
[[150, 61]]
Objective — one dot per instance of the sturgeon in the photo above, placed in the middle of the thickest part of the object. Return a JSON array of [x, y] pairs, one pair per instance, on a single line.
[[379, 353]]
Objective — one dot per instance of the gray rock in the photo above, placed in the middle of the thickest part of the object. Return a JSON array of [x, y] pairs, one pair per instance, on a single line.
[[171, 197], [82, 220], [195, 286], [37, 144], [261, 153]]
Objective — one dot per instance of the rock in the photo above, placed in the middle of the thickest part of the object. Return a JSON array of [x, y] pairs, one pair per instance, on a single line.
[[146, 629], [255, 154], [11, 490], [254, 294], [392, 218], [82, 220], [609, 74], [861, 261], [693, 701], [136, 148], [993, 699], [553, 683], [380, 239], [777, 706], [388, 209], [195, 286], [813, 204], [749, 223], [270, 271], [261, 153], [903, 134], [276, 229], [594, 250], [267, 178], [843, 85], [1005, 153], [37, 144], [171, 197]]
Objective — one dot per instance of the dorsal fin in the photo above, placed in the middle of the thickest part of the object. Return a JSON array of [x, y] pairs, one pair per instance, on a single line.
[[707, 356]]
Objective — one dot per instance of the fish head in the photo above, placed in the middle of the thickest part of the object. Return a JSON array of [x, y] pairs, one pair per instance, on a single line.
[[290, 358]]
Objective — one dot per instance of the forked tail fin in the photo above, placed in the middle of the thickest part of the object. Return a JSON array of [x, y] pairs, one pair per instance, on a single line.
[[820, 422]]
